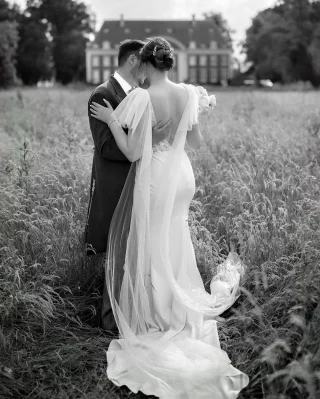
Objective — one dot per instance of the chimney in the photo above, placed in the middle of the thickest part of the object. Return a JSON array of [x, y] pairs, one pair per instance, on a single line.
[[193, 20], [121, 21]]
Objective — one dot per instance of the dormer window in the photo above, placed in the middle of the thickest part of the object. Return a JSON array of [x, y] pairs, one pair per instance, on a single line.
[[127, 30], [147, 30], [106, 45], [213, 44], [106, 30], [169, 30], [192, 45]]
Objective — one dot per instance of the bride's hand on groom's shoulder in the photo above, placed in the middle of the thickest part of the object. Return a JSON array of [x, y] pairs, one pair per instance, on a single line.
[[103, 113], [161, 131]]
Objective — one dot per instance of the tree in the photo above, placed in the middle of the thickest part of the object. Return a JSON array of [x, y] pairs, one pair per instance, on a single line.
[[8, 44], [69, 23], [34, 59], [267, 45], [8, 12], [283, 42], [222, 25]]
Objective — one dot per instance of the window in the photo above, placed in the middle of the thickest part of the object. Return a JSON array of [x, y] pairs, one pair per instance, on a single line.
[[213, 60], [106, 74], [203, 75], [95, 76], [115, 61], [203, 70], [106, 60], [213, 75], [95, 60], [224, 58], [192, 60], [192, 45], [203, 60], [193, 75]]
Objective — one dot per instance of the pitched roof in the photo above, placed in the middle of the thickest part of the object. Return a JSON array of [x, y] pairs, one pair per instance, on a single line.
[[200, 31]]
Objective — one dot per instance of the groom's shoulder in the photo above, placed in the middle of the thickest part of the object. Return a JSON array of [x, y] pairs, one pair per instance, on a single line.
[[105, 88]]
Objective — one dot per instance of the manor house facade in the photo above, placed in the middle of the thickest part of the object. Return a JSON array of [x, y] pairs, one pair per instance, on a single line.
[[201, 54]]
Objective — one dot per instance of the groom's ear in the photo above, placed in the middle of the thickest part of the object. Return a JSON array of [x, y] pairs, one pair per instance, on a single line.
[[133, 60]]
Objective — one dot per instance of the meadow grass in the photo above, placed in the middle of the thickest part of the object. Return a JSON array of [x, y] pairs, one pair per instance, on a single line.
[[258, 190]]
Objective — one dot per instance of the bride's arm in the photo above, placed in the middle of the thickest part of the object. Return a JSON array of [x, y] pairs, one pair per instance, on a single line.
[[125, 144], [194, 137]]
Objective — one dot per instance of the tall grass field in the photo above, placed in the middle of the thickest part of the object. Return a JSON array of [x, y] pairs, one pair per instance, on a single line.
[[258, 193]]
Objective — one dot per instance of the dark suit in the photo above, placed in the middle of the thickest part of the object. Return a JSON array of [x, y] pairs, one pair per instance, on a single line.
[[109, 172]]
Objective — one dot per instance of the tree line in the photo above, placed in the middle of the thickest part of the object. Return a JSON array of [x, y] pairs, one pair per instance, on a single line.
[[47, 39], [283, 42]]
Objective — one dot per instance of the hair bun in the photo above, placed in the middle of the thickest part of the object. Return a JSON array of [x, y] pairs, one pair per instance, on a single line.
[[159, 53]]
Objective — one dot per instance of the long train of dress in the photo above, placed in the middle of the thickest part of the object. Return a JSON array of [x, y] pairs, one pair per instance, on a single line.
[[169, 345]]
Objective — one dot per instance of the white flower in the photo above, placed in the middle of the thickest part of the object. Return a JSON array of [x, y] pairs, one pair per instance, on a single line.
[[202, 91], [206, 102], [212, 101], [204, 105]]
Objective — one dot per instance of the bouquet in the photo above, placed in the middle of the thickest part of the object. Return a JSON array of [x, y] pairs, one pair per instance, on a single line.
[[206, 102]]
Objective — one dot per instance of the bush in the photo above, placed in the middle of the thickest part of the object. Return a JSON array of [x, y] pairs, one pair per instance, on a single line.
[[8, 46]]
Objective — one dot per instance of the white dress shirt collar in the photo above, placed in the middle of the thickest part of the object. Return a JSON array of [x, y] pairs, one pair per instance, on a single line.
[[126, 87]]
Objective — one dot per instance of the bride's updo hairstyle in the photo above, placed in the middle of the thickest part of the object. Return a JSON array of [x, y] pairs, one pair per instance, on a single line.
[[159, 53]]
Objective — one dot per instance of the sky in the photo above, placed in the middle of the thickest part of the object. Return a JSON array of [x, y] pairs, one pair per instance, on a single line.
[[238, 13]]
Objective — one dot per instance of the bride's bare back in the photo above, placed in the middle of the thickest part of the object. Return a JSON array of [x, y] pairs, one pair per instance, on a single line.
[[169, 101]]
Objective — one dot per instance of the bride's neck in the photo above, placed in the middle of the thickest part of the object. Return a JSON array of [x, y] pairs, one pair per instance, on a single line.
[[158, 78]]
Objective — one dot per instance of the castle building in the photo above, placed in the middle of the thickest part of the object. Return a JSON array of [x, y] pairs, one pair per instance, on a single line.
[[201, 54]]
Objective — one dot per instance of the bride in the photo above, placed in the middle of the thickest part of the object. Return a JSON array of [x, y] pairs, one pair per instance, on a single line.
[[168, 344]]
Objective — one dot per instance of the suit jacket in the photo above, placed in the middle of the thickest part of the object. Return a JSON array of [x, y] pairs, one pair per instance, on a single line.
[[109, 171]]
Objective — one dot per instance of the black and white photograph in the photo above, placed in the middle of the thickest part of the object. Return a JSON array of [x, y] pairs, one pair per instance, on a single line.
[[159, 199]]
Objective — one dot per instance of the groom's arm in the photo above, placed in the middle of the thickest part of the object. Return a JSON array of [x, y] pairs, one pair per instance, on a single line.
[[103, 138]]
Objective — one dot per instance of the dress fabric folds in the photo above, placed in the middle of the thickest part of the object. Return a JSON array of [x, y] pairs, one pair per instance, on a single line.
[[168, 345]]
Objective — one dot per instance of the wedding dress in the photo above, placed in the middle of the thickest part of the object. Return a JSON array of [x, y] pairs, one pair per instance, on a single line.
[[168, 345]]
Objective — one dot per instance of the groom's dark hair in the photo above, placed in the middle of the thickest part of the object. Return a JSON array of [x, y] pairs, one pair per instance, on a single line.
[[128, 47]]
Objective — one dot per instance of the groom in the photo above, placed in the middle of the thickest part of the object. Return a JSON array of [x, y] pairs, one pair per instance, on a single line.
[[110, 166]]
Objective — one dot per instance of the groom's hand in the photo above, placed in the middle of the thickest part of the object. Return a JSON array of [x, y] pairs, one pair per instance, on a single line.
[[161, 131]]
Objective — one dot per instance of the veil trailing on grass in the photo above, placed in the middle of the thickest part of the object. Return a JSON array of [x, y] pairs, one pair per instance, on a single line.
[[162, 348]]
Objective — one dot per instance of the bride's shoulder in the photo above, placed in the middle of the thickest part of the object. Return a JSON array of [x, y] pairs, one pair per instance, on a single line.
[[138, 92], [138, 95], [188, 86]]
